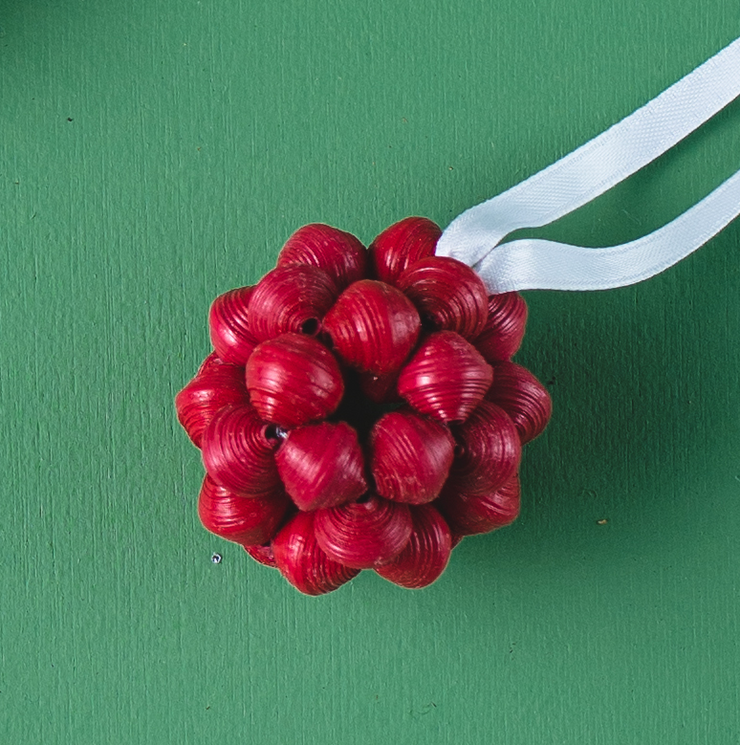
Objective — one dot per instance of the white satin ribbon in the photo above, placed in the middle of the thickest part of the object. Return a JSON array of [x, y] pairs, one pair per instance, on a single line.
[[475, 236]]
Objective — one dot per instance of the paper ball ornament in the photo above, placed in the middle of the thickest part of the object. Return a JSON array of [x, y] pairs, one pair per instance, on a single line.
[[361, 410]]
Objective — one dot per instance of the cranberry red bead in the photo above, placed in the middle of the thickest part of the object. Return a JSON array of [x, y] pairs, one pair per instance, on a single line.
[[360, 410], [321, 465], [410, 457], [373, 327]]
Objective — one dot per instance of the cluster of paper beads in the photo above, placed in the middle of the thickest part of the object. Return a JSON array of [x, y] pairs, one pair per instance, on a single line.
[[360, 409]]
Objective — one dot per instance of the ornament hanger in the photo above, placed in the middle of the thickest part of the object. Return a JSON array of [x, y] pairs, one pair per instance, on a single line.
[[534, 264]]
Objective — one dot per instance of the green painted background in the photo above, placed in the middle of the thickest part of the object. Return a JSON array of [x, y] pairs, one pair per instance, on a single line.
[[156, 153]]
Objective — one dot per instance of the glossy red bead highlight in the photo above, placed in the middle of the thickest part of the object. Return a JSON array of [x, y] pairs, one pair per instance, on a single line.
[[410, 457], [523, 398], [238, 452], [246, 521], [293, 380], [228, 321], [321, 465], [216, 384], [469, 514], [488, 451], [303, 563], [373, 327], [426, 554], [402, 244], [339, 254], [364, 534], [448, 294], [446, 378], [293, 298], [503, 331]]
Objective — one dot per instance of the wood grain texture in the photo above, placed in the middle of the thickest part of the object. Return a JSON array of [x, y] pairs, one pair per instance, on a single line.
[[154, 154]]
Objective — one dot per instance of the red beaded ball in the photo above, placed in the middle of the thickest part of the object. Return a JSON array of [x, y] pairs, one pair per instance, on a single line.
[[361, 410]]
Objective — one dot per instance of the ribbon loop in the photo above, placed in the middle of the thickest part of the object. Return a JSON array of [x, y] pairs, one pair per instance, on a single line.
[[586, 173]]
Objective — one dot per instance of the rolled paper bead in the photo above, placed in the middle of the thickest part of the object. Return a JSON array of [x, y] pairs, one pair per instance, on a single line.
[[217, 384], [410, 457], [504, 329], [228, 322], [249, 522], [321, 465], [262, 554], [238, 452], [448, 294], [301, 560], [338, 253], [293, 298], [488, 451], [446, 378], [518, 392], [364, 534], [402, 244], [293, 380], [426, 554], [469, 514], [373, 327]]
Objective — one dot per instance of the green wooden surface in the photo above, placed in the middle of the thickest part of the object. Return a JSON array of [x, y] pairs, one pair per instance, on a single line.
[[154, 154]]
